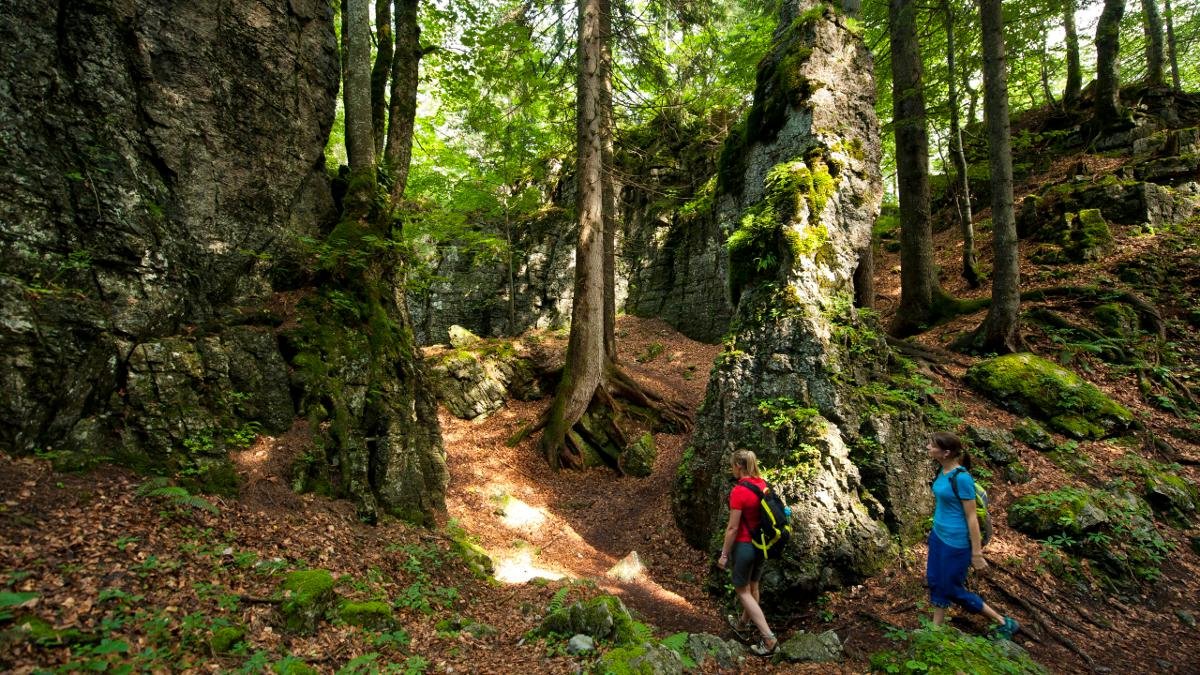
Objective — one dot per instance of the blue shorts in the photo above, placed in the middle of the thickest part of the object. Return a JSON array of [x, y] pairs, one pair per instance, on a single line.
[[747, 564], [946, 576]]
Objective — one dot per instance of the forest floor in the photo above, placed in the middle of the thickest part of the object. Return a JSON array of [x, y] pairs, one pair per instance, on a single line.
[[133, 581]]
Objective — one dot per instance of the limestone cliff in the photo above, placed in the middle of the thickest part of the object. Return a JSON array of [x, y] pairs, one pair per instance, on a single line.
[[160, 162], [806, 380]]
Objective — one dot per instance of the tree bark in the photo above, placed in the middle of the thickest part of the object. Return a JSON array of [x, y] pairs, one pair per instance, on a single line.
[[1171, 53], [1074, 69], [356, 89], [1108, 46], [1153, 27], [610, 188], [402, 110], [585, 362], [918, 283], [379, 72], [959, 158], [998, 333]]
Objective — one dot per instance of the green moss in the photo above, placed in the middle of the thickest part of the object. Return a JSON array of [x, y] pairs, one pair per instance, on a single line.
[[293, 666], [1116, 317], [307, 596], [624, 661], [224, 639], [373, 615], [1030, 385]]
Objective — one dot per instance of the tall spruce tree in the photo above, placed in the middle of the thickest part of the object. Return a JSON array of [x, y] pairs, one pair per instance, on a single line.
[[1108, 49]]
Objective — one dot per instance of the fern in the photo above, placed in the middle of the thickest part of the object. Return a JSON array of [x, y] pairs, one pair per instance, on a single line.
[[159, 488], [641, 632], [556, 602], [678, 643]]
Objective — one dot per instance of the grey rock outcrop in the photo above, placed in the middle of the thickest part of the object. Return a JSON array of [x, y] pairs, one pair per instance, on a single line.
[[799, 185], [155, 156], [162, 163]]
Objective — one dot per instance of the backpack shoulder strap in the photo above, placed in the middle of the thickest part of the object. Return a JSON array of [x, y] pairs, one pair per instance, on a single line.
[[953, 478], [753, 488]]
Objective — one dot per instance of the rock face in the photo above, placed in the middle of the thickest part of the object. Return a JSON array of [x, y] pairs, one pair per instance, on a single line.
[[161, 161], [155, 156], [797, 193]]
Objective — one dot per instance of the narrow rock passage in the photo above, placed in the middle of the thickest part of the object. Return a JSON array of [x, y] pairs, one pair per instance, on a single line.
[[538, 523]]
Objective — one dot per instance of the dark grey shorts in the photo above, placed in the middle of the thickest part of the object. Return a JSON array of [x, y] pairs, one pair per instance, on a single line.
[[747, 565]]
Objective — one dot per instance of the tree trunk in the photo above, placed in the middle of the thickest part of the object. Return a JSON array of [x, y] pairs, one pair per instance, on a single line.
[[584, 367], [1171, 53], [610, 189], [1074, 69], [1152, 25], [402, 111], [356, 90], [1045, 68], [959, 157], [864, 276], [380, 71], [918, 283], [1108, 46], [998, 333]]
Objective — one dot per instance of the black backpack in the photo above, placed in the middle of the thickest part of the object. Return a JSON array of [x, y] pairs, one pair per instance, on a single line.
[[773, 531]]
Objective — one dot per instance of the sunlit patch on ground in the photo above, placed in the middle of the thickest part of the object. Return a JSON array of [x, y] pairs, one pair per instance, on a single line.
[[519, 515], [519, 567]]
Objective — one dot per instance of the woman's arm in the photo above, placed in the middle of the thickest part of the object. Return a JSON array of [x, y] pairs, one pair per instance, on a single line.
[[735, 517], [976, 538]]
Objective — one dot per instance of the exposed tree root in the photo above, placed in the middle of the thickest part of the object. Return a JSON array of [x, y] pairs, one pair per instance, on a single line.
[[619, 409], [1146, 309], [1044, 624], [935, 356], [1108, 351]]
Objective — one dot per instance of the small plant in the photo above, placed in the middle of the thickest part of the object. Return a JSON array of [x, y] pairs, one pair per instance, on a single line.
[[175, 496], [653, 351], [935, 649]]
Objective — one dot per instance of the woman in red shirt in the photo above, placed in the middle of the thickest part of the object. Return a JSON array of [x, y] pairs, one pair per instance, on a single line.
[[747, 566]]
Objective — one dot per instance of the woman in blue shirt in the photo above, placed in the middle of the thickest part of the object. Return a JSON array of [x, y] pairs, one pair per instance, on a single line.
[[955, 542]]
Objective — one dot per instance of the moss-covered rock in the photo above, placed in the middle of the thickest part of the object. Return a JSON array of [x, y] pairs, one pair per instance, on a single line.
[[1030, 385], [307, 597], [1087, 237], [293, 666], [372, 615], [638, 458], [1034, 435], [1117, 317], [710, 651], [1067, 511], [602, 618], [642, 659], [224, 639], [811, 648]]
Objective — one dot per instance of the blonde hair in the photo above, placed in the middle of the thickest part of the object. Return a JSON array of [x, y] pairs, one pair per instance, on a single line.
[[746, 461]]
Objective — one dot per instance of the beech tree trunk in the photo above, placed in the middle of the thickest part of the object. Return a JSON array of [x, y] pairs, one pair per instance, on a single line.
[[402, 110], [918, 283], [380, 72], [1074, 69], [1152, 25], [958, 156], [1108, 47], [1171, 53], [999, 333], [356, 88]]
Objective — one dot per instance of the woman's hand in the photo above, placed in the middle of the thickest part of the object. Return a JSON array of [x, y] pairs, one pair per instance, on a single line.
[[978, 561], [723, 561]]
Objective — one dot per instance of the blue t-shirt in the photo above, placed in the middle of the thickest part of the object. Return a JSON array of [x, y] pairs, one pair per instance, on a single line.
[[949, 519]]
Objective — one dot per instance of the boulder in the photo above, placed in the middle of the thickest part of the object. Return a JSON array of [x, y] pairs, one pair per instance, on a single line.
[[708, 651], [1034, 435], [372, 615], [601, 618], [811, 648], [308, 597], [1030, 385], [478, 378], [648, 658]]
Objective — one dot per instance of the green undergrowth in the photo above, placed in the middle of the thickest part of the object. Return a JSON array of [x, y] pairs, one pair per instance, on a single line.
[[947, 651]]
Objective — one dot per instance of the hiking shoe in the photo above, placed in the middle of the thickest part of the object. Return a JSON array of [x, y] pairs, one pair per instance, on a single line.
[[761, 649], [1009, 628], [740, 628]]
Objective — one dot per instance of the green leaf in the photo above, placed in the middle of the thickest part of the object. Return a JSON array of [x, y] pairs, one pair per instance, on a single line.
[[9, 599]]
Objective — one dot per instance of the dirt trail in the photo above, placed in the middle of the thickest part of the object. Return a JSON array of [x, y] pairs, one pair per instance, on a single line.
[[535, 522]]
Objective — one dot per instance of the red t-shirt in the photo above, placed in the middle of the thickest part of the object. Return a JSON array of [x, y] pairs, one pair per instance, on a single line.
[[743, 498]]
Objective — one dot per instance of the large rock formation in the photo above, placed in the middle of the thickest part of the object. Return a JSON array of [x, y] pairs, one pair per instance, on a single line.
[[160, 162], [806, 380]]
